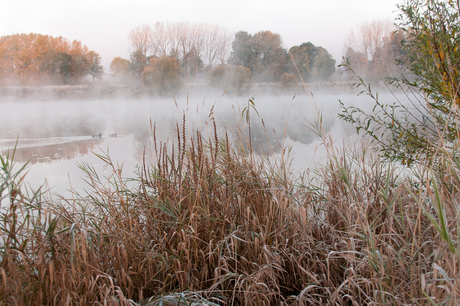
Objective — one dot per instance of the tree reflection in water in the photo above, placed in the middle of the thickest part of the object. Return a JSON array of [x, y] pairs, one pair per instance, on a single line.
[[59, 133]]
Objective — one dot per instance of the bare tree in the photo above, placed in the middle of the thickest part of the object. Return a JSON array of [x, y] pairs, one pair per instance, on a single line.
[[197, 33], [211, 41], [217, 44], [161, 39], [370, 42], [185, 41], [224, 46], [141, 39], [173, 31], [182, 36]]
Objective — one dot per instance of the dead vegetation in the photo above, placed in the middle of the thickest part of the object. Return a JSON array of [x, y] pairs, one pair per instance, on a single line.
[[210, 224]]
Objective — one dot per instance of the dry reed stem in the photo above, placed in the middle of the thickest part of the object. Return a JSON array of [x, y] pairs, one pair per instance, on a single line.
[[208, 224]]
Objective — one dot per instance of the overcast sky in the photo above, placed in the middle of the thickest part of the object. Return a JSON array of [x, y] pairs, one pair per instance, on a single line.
[[104, 25]]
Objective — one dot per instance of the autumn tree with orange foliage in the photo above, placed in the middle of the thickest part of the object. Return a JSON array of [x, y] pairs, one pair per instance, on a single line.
[[34, 59]]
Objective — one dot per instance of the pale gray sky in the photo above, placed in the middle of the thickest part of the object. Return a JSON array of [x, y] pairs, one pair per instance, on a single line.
[[104, 25]]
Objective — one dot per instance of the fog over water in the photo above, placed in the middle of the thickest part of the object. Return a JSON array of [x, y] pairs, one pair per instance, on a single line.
[[57, 135]]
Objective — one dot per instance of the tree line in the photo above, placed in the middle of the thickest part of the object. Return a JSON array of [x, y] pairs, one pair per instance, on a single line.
[[164, 55], [183, 47], [199, 50], [29, 59], [264, 55]]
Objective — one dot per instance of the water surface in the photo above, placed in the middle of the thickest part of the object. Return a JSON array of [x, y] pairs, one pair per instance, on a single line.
[[56, 136]]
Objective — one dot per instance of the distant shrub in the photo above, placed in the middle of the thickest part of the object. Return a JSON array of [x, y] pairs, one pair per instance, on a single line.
[[163, 75], [120, 68], [224, 77], [288, 81], [217, 76]]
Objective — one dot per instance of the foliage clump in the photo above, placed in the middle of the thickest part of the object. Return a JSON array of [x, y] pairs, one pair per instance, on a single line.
[[163, 75], [227, 77], [263, 54], [35, 59], [312, 63], [120, 68], [289, 81]]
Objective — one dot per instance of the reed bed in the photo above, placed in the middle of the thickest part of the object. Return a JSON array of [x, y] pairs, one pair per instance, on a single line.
[[211, 224]]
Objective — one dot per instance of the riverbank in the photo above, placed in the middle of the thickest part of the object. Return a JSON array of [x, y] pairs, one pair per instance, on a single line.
[[212, 225]]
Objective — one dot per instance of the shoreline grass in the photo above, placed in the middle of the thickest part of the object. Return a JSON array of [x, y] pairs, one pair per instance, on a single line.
[[213, 225]]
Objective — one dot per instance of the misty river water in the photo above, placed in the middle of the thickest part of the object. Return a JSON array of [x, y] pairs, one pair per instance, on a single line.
[[55, 136]]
